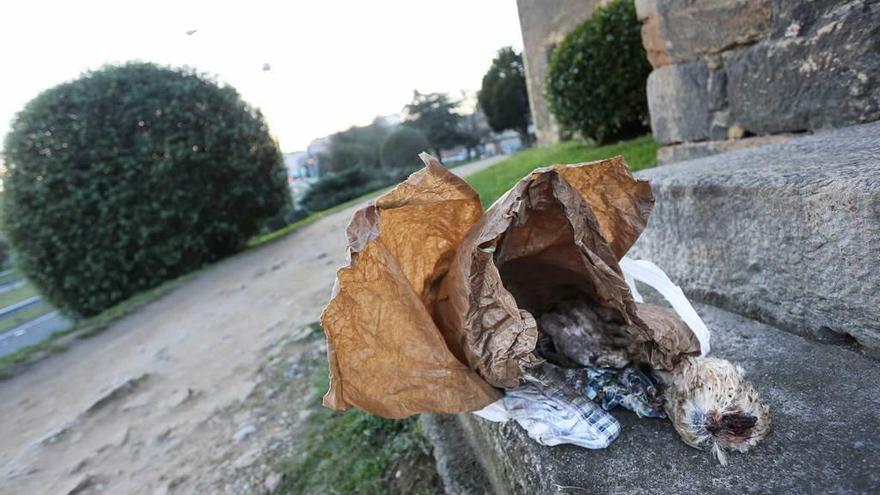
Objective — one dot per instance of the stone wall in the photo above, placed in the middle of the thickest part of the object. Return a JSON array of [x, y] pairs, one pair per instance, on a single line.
[[725, 70], [544, 23]]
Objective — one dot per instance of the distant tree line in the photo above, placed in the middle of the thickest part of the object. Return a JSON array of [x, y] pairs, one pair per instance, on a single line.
[[362, 159]]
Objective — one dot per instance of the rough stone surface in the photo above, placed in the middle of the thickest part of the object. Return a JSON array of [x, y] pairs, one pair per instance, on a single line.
[[645, 9], [678, 101], [458, 462], [544, 24], [809, 16], [774, 66], [691, 29], [824, 402], [828, 75], [787, 233], [655, 45], [691, 151]]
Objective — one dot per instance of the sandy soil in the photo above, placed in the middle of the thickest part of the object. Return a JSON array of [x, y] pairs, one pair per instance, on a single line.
[[188, 394]]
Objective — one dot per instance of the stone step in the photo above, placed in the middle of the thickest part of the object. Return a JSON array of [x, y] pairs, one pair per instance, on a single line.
[[787, 233], [825, 406]]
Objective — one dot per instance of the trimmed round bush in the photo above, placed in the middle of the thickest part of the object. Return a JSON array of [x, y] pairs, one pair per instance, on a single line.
[[132, 175], [401, 148], [596, 82]]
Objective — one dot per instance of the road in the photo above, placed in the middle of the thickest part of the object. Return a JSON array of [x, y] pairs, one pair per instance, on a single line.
[[181, 396]]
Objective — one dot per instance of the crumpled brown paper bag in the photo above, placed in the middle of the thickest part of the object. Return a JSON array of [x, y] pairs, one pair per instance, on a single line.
[[436, 310]]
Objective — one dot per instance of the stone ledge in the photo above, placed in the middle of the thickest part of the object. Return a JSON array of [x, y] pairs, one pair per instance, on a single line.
[[691, 151], [824, 401], [786, 233]]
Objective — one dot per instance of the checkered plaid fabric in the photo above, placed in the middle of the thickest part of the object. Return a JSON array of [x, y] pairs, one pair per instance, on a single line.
[[552, 418]]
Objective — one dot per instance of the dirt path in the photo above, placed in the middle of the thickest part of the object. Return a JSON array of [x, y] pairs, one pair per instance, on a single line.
[[186, 395]]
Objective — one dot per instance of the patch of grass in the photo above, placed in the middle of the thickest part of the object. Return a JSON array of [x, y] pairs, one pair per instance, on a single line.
[[494, 181], [25, 315], [20, 294], [8, 277], [354, 452]]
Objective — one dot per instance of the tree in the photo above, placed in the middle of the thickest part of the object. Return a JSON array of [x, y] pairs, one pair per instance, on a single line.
[[503, 96], [132, 175], [357, 147], [474, 130], [434, 114], [597, 78], [402, 147]]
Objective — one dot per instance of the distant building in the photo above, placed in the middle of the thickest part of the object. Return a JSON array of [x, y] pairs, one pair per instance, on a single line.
[[316, 152], [544, 23], [299, 166], [502, 143]]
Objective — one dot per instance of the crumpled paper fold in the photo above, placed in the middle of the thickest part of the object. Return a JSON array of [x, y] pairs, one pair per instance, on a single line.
[[435, 311]]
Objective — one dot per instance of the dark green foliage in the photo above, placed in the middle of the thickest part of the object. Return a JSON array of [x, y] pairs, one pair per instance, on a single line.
[[356, 147], [4, 251], [503, 95], [364, 174], [334, 189], [401, 149], [133, 175], [597, 76], [434, 114]]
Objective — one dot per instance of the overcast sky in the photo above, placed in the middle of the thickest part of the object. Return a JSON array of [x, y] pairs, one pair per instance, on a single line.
[[334, 63]]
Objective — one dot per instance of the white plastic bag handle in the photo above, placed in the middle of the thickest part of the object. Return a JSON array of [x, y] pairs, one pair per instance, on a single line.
[[651, 274]]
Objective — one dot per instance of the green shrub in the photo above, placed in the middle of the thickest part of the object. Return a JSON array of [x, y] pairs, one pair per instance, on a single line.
[[334, 189], [4, 252], [132, 175], [401, 149], [356, 147], [597, 76]]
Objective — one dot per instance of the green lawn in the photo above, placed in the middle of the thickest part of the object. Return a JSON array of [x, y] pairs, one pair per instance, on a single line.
[[25, 316], [355, 452], [13, 296], [496, 180], [8, 277]]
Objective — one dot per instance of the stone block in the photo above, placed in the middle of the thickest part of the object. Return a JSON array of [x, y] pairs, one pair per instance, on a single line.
[[788, 233], [823, 401], [458, 462], [716, 89], [803, 18], [679, 103], [691, 151], [652, 40], [828, 78], [691, 29]]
